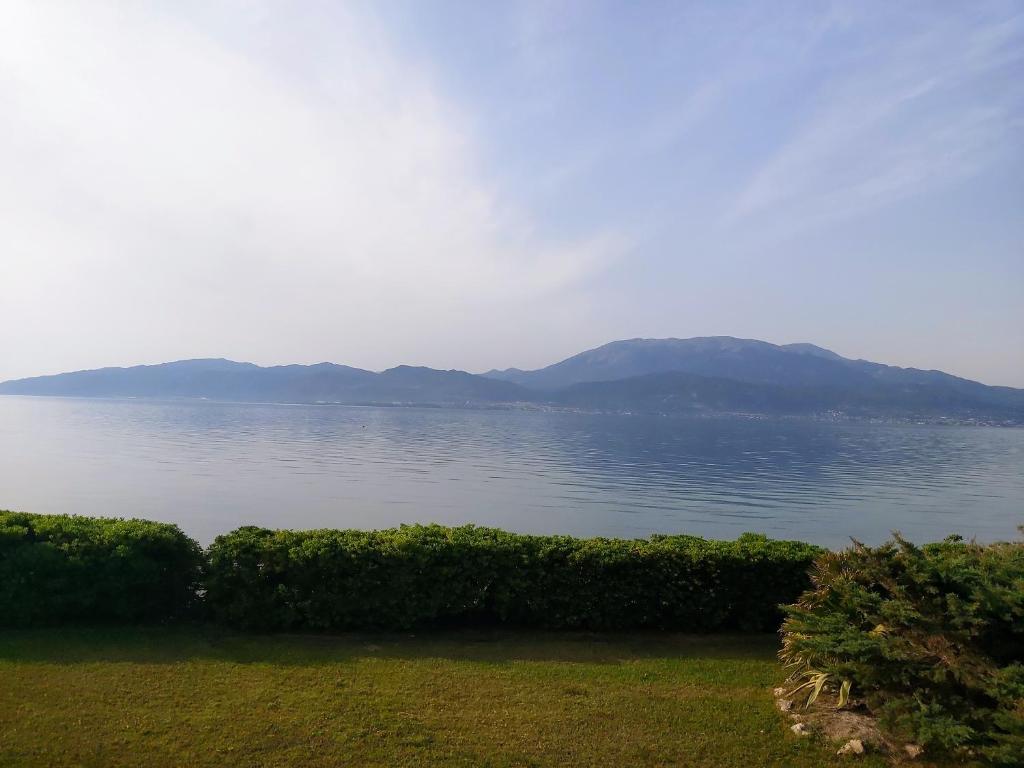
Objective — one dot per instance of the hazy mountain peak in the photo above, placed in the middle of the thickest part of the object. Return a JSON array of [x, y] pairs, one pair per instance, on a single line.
[[724, 356], [202, 362], [812, 349]]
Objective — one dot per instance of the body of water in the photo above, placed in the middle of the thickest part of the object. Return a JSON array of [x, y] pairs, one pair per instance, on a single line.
[[211, 467]]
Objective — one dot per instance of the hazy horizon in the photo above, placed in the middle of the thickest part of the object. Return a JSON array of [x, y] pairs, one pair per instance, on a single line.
[[483, 186]]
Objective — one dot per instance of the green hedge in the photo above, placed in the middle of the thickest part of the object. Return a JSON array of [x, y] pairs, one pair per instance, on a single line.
[[931, 638], [59, 568], [417, 575]]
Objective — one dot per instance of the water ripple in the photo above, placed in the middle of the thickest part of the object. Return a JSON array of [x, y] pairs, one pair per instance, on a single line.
[[211, 467]]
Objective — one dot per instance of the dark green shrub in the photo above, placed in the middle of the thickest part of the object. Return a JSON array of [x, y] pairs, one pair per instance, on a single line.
[[932, 637], [417, 575], [59, 568]]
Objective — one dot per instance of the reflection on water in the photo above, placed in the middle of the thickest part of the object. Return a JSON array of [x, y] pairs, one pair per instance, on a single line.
[[211, 467]]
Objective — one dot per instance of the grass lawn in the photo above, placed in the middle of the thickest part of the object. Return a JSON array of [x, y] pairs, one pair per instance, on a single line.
[[196, 697]]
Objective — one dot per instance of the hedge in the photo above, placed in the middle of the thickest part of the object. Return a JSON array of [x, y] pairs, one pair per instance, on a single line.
[[59, 568], [428, 575], [930, 638]]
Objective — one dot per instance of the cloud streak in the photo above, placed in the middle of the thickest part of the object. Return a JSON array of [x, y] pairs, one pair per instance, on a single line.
[[896, 124], [176, 185]]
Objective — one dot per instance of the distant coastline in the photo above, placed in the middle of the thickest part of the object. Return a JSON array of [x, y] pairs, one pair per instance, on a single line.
[[663, 377], [828, 417]]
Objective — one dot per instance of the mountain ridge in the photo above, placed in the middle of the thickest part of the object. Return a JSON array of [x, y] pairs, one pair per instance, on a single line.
[[707, 374], [608, 364]]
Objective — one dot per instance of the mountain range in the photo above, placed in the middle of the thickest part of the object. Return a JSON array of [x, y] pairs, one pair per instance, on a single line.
[[718, 374]]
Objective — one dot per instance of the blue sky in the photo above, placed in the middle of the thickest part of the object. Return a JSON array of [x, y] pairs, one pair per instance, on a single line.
[[464, 184]]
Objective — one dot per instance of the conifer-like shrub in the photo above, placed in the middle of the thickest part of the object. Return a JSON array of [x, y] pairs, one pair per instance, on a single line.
[[59, 568], [931, 638], [428, 575]]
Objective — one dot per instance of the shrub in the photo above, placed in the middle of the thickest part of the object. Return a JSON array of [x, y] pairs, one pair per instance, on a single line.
[[416, 575], [59, 568], [931, 637]]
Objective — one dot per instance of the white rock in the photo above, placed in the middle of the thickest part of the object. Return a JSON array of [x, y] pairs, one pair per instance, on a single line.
[[800, 729], [784, 705], [913, 750], [852, 747], [778, 693]]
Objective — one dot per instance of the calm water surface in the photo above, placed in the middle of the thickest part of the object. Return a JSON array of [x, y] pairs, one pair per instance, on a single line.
[[211, 467]]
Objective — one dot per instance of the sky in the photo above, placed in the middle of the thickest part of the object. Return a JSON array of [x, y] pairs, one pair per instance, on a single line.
[[474, 185]]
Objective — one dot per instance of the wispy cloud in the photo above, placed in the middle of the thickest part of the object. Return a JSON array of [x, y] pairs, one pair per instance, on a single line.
[[178, 182], [902, 120]]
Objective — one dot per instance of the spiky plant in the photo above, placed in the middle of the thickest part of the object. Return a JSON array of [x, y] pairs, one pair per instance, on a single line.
[[932, 638]]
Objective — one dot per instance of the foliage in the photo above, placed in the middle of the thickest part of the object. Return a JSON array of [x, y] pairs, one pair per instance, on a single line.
[[931, 637], [415, 575], [60, 568]]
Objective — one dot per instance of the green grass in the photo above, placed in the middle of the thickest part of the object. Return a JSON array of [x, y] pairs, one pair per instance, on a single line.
[[192, 697]]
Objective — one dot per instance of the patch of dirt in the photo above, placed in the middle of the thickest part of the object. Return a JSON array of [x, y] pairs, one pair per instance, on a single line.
[[841, 725]]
